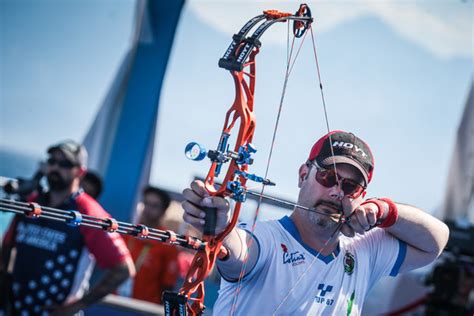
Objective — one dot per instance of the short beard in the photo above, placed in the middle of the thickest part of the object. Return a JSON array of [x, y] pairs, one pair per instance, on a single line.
[[56, 183], [321, 220]]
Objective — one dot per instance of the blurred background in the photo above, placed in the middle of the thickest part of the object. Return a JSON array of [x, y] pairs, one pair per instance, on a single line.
[[135, 81]]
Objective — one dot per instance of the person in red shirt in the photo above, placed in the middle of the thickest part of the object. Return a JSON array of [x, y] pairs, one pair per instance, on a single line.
[[155, 262], [49, 263]]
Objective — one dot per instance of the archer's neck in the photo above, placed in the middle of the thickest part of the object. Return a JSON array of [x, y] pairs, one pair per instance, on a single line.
[[315, 236]]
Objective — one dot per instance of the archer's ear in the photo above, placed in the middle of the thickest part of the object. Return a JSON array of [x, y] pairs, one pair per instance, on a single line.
[[302, 174]]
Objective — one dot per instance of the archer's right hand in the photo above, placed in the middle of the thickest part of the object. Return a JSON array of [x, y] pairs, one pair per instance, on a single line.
[[197, 197]]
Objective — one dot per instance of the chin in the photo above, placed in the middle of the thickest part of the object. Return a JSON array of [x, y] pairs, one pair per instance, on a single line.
[[317, 220], [322, 221]]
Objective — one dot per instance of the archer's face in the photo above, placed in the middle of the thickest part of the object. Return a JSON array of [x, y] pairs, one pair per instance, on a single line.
[[328, 200]]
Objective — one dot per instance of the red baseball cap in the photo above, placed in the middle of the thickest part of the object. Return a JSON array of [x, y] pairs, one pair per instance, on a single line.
[[347, 148]]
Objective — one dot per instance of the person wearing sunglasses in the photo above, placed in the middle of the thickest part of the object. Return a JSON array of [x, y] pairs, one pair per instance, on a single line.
[[325, 257], [50, 263]]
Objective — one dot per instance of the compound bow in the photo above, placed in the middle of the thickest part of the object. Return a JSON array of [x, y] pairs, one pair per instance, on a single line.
[[239, 59]]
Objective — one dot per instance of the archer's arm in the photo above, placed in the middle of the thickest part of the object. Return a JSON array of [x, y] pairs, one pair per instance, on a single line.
[[425, 235], [238, 242]]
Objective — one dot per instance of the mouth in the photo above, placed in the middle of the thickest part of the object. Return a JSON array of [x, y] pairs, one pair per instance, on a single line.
[[330, 209]]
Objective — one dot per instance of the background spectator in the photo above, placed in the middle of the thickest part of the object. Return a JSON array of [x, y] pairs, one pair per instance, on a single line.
[[92, 184], [156, 262], [49, 263]]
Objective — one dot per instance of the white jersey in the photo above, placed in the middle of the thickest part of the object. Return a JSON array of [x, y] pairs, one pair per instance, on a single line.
[[286, 267]]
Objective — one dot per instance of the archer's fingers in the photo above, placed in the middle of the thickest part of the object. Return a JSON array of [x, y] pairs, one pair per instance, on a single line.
[[199, 188], [192, 196], [371, 211], [347, 230], [348, 206], [361, 223], [193, 215], [196, 193], [355, 225]]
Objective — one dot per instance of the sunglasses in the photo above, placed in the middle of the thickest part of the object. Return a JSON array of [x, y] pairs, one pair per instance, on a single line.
[[329, 178], [61, 163]]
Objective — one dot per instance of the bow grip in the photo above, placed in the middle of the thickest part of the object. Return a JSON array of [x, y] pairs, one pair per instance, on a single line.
[[210, 221]]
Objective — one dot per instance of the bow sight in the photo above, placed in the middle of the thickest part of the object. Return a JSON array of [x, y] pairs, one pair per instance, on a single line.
[[195, 151]]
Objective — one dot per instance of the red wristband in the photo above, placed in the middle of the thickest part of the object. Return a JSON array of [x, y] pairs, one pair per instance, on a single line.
[[392, 215]]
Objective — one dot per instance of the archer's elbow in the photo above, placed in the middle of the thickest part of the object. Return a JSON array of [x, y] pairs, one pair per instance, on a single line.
[[441, 236]]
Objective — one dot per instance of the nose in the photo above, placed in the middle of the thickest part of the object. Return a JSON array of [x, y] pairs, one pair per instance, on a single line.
[[336, 192]]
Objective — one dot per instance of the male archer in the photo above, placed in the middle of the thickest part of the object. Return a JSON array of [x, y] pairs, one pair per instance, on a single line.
[[49, 263], [324, 258]]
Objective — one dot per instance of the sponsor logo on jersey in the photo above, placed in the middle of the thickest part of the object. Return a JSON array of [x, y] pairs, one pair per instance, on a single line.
[[324, 289], [294, 258], [349, 263]]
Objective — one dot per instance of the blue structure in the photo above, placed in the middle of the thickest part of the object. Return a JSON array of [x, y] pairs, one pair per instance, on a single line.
[[121, 140]]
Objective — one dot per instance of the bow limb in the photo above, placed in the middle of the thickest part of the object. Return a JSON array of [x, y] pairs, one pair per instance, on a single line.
[[202, 265], [242, 109]]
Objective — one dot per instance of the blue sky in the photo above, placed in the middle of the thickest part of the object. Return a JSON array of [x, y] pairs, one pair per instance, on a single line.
[[396, 73], [58, 60]]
